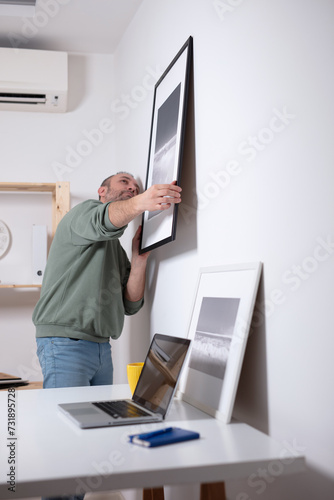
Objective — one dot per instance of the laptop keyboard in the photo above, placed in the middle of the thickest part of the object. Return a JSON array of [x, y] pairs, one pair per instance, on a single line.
[[120, 409]]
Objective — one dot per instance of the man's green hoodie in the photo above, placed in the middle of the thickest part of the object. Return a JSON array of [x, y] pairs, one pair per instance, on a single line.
[[82, 295]]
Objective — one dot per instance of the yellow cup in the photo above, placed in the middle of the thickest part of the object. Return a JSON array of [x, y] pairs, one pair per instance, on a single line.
[[133, 371]]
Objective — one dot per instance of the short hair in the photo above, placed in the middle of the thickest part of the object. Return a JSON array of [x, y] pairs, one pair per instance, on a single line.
[[107, 179]]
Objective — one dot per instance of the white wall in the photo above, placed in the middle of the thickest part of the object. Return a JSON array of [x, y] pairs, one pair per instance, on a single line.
[[253, 63], [38, 147]]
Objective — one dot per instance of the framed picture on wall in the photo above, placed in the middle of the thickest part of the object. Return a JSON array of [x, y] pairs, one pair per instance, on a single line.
[[166, 145], [219, 328]]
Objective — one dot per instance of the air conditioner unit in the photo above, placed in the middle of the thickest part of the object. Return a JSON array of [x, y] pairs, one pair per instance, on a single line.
[[33, 80]]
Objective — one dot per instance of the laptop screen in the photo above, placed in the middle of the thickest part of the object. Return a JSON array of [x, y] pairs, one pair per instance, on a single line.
[[161, 371]]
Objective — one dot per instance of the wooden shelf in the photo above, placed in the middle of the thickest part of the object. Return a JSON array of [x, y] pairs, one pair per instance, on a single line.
[[60, 206], [32, 187], [60, 196]]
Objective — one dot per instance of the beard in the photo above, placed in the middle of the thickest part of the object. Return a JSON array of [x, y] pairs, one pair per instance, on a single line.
[[114, 195]]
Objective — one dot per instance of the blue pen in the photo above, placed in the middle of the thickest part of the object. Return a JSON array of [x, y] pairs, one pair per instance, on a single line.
[[154, 433]]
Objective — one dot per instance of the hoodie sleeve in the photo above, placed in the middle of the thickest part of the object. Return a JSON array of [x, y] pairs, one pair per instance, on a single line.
[[90, 223]]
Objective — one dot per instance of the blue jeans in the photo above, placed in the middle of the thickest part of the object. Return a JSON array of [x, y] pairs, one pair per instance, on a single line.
[[71, 363]]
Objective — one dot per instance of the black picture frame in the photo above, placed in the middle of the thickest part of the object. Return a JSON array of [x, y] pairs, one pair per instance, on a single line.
[[166, 145]]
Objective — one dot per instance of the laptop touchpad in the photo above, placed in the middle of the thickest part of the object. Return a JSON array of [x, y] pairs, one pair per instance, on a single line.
[[85, 411]]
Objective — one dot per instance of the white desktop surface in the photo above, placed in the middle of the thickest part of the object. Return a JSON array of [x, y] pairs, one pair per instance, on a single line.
[[53, 456]]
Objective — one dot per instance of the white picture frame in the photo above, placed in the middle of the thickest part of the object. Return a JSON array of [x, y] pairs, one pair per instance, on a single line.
[[219, 327]]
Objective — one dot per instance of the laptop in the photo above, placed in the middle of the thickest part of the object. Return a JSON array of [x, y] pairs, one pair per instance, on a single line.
[[152, 397]]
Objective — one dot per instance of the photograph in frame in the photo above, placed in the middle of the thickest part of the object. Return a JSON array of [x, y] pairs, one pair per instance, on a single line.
[[166, 145], [219, 328]]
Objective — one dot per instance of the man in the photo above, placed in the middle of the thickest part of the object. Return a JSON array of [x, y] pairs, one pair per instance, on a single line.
[[89, 283]]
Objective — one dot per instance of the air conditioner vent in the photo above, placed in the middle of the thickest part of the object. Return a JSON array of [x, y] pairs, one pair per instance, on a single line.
[[10, 97]]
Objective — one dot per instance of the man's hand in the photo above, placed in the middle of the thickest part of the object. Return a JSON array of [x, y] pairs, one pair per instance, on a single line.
[[157, 197], [136, 257], [136, 283]]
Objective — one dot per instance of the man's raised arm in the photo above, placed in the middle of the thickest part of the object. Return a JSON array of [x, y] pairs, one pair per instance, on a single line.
[[157, 197]]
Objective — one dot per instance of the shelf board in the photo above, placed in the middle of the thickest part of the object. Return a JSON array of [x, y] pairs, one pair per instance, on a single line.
[[44, 187], [19, 286]]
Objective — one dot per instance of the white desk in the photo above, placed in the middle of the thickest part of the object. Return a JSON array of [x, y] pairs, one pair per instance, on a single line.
[[53, 456]]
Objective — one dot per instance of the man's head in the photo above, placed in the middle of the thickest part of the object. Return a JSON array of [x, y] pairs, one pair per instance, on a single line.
[[120, 186]]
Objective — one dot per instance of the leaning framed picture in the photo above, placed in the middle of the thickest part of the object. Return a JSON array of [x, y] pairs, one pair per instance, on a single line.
[[166, 145], [219, 327]]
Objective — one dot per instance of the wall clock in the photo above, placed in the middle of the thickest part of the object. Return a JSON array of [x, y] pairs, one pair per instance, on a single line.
[[4, 238]]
